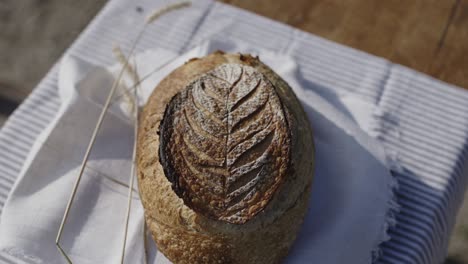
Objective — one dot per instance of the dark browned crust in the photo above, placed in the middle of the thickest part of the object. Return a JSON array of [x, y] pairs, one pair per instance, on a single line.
[[225, 144]]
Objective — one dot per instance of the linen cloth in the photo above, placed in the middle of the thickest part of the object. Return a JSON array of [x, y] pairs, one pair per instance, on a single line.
[[347, 191], [421, 121]]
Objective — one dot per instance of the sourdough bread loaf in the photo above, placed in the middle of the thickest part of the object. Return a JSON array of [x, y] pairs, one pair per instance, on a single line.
[[225, 162]]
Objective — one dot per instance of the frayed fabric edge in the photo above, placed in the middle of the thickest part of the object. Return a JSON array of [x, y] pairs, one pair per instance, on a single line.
[[390, 220]]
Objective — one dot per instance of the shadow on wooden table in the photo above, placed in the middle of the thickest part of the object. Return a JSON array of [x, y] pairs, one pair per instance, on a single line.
[[452, 260]]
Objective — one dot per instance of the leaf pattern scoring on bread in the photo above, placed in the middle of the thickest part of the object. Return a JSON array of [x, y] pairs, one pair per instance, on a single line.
[[225, 143]]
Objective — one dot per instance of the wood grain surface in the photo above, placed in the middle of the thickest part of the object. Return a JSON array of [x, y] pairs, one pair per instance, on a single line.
[[430, 36]]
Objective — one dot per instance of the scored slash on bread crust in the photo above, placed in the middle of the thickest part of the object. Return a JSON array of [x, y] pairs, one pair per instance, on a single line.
[[189, 231], [225, 143]]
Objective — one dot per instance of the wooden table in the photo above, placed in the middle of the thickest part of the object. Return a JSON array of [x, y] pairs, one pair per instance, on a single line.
[[430, 36]]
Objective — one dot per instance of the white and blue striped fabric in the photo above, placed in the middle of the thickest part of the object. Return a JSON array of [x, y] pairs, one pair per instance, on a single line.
[[422, 122]]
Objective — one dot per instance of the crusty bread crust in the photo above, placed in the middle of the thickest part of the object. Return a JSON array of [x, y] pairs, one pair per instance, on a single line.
[[225, 143], [187, 236]]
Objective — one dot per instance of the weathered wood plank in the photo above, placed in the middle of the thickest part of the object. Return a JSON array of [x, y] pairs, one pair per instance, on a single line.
[[3, 119], [451, 61], [407, 32], [33, 34], [12, 92], [10, 98]]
